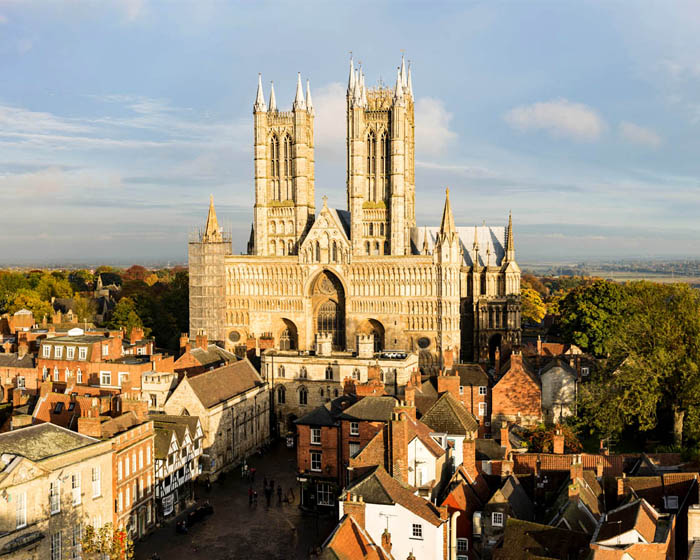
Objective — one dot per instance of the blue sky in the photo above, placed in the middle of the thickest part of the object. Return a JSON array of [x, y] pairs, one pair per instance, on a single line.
[[118, 118]]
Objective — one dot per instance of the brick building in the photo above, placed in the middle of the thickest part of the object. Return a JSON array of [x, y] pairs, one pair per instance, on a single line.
[[18, 372], [201, 357], [517, 395]]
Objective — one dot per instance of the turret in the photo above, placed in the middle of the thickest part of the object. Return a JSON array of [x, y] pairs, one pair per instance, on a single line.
[[299, 102], [510, 246], [259, 105], [309, 103], [273, 101], [212, 232]]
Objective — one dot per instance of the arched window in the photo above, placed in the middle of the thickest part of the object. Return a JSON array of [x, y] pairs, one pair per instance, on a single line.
[[275, 168], [281, 395], [376, 247], [384, 171], [356, 373], [283, 248], [273, 247], [303, 396], [318, 252], [335, 252], [330, 321], [273, 227], [381, 228], [288, 195], [280, 371], [371, 167], [303, 373], [290, 247], [367, 246], [335, 393], [329, 372], [321, 393]]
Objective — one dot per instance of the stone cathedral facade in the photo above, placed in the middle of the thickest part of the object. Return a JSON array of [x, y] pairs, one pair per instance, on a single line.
[[364, 270]]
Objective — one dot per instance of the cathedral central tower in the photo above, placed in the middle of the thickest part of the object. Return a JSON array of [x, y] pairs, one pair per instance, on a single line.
[[380, 164]]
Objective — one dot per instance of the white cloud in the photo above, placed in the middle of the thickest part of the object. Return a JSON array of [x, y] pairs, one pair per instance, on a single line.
[[433, 134], [329, 124], [559, 117], [639, 135]]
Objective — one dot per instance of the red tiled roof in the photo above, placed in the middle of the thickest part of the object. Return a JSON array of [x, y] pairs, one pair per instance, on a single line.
[[349, 541]]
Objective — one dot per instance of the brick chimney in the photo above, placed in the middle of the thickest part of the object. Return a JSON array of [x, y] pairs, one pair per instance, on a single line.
[[136, 334], [355, 505], [448, 383], [386, 541], [410, 395], [469, 457], [90, 426], [184, 343], [558, 443], [539, 345], [399, 447], [201, 340], [139, 408], [603, 448], [576, 468], [505, 438], [599, 468], [22, 349]]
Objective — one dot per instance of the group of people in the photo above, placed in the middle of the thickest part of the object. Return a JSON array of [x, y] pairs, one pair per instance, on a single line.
[[269, 489]]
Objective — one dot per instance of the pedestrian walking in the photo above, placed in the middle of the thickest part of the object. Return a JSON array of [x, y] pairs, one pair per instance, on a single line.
[[279, 495], [244, 470], [250, 495], [255, 497]]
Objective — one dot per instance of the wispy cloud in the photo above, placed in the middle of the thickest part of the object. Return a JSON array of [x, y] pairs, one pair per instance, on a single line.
[[559, 117], [639, 135], [433, 133]]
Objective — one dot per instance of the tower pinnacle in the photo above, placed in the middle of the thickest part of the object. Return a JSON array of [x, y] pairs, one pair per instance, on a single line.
[[351, 79], [212, 233], [299, 103], [510, 245], [260, 97], [398, 90], [447, 226], [410, 81], [273, 101], [309, 103]]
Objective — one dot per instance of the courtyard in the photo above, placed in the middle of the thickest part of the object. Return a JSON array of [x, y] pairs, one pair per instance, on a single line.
[[238, 530]]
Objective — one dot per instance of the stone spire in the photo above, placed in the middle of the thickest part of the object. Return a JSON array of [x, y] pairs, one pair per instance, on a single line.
[[212, 233], [475, 246], [404, 77], [510, 245], [260, 98], [273, 102], [398, 90], [309, 103], [299, 103], [363, 96], [351, 78], [410, 82], [447, 226]]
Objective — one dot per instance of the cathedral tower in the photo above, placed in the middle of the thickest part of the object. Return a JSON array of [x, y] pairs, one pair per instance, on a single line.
[[380, 164], [284, 172]]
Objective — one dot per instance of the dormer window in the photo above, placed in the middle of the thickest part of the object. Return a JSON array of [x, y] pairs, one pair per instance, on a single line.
[[82, 353], [70, 352], [46, 351], [105, 350], [58, 352]]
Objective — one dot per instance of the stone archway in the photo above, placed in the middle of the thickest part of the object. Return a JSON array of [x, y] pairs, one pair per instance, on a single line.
[[328, 303], [373, 327], [289, 338]]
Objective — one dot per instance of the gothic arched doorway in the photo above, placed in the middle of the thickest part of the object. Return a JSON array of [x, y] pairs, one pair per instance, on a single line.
[[288, 336], [328, 301]]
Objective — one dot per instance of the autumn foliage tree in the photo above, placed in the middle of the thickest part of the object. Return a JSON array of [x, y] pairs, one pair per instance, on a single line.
[[107, 543], [541, 439], [532, 307]]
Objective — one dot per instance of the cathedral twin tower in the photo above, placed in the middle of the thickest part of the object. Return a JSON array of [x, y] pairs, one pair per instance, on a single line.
[[367, 270], [380, 177]]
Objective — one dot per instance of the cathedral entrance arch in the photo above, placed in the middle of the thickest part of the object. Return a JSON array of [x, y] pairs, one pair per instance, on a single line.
[[375, 328], [328, 303]]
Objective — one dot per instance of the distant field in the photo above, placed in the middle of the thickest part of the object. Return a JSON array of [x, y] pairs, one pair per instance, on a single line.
[[653, 277]]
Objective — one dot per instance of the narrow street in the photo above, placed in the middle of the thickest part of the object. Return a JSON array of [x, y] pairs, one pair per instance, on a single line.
[[237, 530]]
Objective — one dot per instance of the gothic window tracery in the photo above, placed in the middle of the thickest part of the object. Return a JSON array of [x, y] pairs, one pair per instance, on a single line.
[[371, 167], [303, 396], [384, 172], [275, 168], [289, 195]]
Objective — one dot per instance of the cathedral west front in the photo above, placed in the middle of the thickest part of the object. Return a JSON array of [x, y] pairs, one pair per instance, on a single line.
[[367, 269]]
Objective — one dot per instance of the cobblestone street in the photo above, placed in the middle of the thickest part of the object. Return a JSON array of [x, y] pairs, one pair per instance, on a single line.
[[236, 530]]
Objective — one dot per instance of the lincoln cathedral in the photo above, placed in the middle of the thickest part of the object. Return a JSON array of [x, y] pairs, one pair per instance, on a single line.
[[368, 269]]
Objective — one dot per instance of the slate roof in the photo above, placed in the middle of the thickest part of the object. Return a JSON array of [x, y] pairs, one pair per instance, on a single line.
[[426, 396], [13, 360], [488, 237], [638, 515], [378, 487], [470, 374], [512, 492], [526, 540], [376, 409], [218, 385], [450, 416], [213, 355], [417, 429], [161, 442], [119, 424], [328, 414], [344, 219], [42, 441]]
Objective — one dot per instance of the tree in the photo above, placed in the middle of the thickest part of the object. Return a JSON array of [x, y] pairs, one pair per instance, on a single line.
[[10, 284], [135, 272], [654, 368], [125, 316], [107, 542], [541, 439], [81, 280], [50, 286], [589, 315], [532, 307], [29, 299], [84, 308]]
